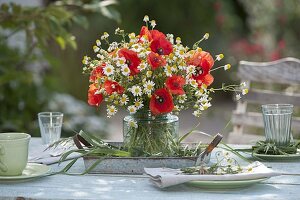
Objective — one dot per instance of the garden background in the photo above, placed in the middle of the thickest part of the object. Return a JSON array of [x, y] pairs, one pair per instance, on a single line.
[[42, 44]]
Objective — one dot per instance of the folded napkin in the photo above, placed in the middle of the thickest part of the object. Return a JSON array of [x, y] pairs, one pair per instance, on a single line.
[[50, 156], [165, 177]]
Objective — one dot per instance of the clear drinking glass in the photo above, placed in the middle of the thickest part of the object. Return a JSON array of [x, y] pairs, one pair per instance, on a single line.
[[50, 126], [277, 121]]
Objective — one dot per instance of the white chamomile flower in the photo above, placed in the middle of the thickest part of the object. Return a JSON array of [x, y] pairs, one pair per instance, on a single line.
[[243, 84], [108, 70], [124, 100], [125, 70], [144, 39], [170, 37], [206, 36], [181, 67], [193, 83], [199, 93], [249, 169], [244, 91], [146, 18], [149, 74], [227, 67], [205, 106], [132, 123], [120, 61], [190, 69], [136, 90], [138, 104], [219, 57], [176, 108], [197, 113], [168, 70], [153, 23], [101, 57], [131, 36], [178, 40], [119, 31], [149, 86], [132, 109], [238, 97], [142, 66], [85, 60], [182, 98], [98, 43], [111, 110], [136, 47], [104, 36], [112, 46], [96, 49]]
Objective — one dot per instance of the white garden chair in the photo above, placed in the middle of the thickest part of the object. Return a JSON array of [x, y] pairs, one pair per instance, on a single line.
[[268, 83]]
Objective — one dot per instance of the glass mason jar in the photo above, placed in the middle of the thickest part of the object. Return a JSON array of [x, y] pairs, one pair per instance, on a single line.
[[147, 134]]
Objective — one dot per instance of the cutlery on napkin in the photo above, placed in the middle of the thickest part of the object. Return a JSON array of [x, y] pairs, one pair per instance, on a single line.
[[165, 177], [50, 156]]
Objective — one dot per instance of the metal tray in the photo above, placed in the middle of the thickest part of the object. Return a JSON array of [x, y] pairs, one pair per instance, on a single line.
[[136, 165]]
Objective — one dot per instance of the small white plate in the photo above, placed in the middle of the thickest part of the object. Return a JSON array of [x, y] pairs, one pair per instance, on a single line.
[[32, 170]]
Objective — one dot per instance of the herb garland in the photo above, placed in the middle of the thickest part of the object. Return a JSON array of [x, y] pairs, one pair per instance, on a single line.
[[263, 147]]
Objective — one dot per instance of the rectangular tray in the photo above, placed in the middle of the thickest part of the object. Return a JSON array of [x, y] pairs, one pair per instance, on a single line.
[[136, 165]]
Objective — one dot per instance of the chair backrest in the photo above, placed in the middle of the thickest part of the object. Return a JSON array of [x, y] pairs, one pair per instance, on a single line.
[[268, 83]]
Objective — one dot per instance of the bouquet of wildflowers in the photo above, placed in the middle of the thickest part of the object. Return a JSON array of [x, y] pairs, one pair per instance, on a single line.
[[151, 71]]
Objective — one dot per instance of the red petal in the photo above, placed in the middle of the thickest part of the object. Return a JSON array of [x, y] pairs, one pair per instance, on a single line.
[[113, 86], [145, 31], [131, 58], [96, 73], [175, 84], [155, 34], [161, 46], [156, 60], [94, 99]]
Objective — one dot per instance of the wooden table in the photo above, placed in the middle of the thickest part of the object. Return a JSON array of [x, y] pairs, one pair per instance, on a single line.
[[139, 187]]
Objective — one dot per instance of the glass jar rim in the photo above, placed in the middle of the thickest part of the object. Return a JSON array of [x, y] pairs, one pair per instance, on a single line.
[[53, 114], [277, 106]]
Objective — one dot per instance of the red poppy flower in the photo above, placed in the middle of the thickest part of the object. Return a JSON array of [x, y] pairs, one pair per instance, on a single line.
[[161, 102], [203, 62], [113, 86], [97, 73], [161, 46], [155, 34], [156, 60], [145, 31], [132, 60], [175, 84], [94, 99]]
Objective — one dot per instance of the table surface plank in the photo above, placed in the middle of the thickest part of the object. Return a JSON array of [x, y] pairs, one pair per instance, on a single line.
[[139, 187]]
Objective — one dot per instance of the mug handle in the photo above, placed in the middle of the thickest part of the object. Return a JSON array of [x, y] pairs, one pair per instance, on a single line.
[[3, 167]]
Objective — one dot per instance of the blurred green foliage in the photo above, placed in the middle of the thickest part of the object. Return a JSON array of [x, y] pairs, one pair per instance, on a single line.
[[23, 92], [242, 30]]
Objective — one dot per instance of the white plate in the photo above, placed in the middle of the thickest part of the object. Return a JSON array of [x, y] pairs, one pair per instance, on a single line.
[[32, 170]]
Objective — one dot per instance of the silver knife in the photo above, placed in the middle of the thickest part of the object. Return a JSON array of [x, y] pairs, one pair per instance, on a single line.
[[203, 155]]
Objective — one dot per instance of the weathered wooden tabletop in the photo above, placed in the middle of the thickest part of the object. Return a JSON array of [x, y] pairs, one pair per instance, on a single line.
[[139, 187]]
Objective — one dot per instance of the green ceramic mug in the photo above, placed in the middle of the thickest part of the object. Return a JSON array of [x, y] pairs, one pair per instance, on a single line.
[[13, 153]]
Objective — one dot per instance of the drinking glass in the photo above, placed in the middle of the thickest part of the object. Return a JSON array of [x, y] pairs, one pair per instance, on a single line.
[[277, 121], [50, 126]]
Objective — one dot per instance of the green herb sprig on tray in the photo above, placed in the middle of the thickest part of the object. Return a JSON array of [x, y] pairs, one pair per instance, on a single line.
[[263, 147]]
